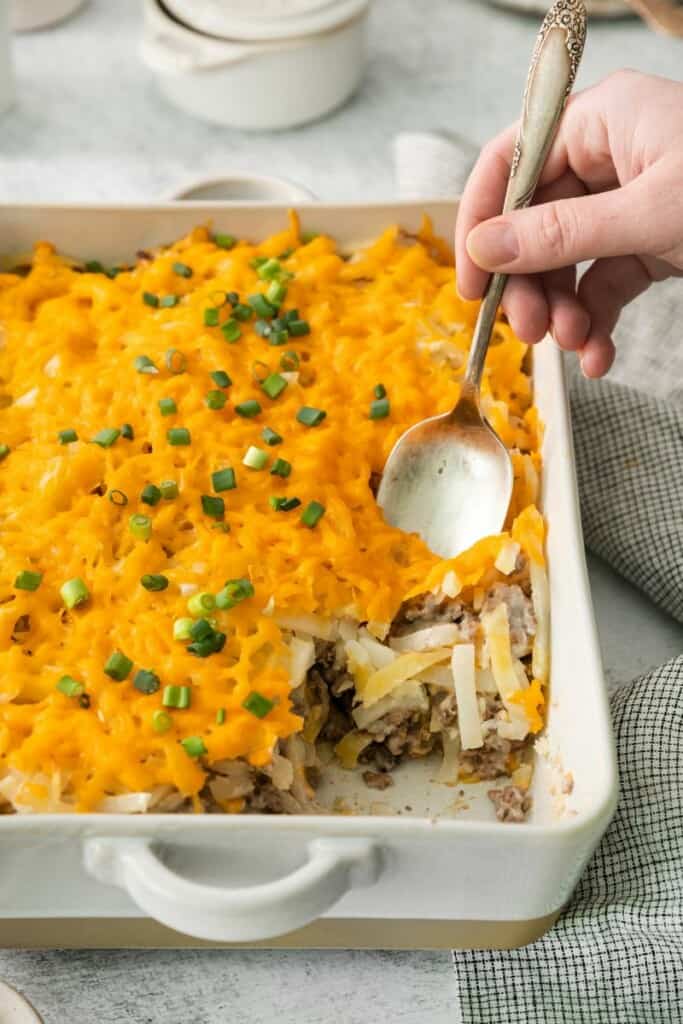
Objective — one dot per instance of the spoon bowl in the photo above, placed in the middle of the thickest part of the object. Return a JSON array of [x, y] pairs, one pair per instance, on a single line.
[[449, 478]]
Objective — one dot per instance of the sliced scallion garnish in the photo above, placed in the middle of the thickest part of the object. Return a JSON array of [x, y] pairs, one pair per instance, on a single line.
[[257, 704], [312, 514], [212, 506], [379, 409], [211, 315], [118, 497], [223, 480], [231, 330], [249, 408], [146, 681], [150, 494], [161, 721], [27, 580], [224, 241], [274, 385], [154, 581], [67, 436], [233, 593], [150, 299], [74, 592], [193, 746], [215, 399], [105, 438], [310, 416], [221, 379], [143, 364], [140, 526], [118, 666], [167, 406], [271, 436], [201, 604], [281, 468], [70, 687], [176, 697], [169, 489], [178, 436], [255, 458], [182, 269], [176, 361]]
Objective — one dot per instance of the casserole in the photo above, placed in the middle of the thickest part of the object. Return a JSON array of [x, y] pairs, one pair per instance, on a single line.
[[432, 861], [290, 76]]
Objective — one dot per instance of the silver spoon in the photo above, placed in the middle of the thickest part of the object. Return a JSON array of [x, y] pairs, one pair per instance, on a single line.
[[449, 478]]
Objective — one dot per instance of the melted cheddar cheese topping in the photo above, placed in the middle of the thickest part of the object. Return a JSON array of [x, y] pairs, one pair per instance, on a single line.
[[69, 342]]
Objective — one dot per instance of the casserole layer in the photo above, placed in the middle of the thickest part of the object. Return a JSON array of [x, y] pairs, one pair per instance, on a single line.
[[233, 405]]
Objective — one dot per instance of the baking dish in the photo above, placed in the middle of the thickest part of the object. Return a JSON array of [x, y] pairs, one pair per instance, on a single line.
[[427, 857], [297, 73]]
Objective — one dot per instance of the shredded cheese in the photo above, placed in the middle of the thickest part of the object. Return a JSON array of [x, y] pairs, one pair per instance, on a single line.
[[68, 361]]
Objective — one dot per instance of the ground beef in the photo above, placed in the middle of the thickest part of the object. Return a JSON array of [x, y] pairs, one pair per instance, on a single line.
[[512, 804], [520, 615], [377, 780]]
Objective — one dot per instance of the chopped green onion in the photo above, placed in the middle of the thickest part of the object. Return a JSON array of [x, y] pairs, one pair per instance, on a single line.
[[276, 293], [242, 312], [74, 592], [105, 438], [270, 270], [379, 391], [140, 526], [4, 451], [94, 267], [274, 385], [297, 328], [201, 629], [255, 458], [281, 468], [127, 432], [182, 269], [154, 581], [169, 301], [223, 480], [280, 323], [284, 504], [179, 436], [249, 408], [201, 604], [379, 408], [70, 687], [289, 361], [214, 507], [221, 379], [225, 241], [231, 331], [220, 716], [67, 436], [278, 337], [262, 328], [150, 299], [233, 592], [215, 399], [257, 262], [143, 364], [193, 746], [161, 721], [119, 498], [146, 681], [309, 416], [209, 645], [211, 316], [261, 306], [150, 494], [312, 514], [167, 406], [176, 361], [257, 704], [118, 666], [169, 489], [181, 629], [233, 298], [285, 254], [271, 436], [27, 580], [176, 697]]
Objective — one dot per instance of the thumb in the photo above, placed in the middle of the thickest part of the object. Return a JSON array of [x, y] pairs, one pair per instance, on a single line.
[[564, 232]]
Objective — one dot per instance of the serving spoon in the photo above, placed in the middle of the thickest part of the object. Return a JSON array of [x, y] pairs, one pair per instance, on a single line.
[[449, 478]]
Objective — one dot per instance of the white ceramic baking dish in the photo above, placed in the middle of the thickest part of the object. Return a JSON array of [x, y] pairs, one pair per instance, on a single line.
[[287, 79], [424, 867]]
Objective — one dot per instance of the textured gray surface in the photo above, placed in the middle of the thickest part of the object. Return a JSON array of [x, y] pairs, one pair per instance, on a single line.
[[89, 124]]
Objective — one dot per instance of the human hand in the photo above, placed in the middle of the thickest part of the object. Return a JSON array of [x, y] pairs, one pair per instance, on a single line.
[[611, 191]]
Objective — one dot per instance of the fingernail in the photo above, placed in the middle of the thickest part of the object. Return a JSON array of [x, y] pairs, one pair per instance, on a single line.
[[493, 245]]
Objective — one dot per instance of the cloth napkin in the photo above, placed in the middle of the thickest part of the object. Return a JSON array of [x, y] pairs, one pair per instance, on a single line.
[[616, 953]]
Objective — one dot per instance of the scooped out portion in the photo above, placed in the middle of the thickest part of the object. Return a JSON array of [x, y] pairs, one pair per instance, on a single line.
[[201, 605]]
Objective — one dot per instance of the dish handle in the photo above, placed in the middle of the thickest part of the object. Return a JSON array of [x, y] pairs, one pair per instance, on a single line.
[[240, 914]]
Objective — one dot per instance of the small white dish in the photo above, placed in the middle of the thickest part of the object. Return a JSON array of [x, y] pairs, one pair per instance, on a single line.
[[27, 15], [14, 1009], [235, 188], [255, 85]]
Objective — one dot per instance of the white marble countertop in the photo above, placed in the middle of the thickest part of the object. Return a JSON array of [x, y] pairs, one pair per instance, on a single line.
[[89, 124]]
